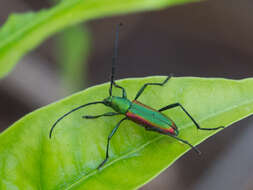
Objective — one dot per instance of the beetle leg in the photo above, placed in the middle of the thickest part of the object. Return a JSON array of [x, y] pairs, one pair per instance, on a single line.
[[124, 94], [196, 124], [145, 85], [185, 142], [101, 115], [108, 142]]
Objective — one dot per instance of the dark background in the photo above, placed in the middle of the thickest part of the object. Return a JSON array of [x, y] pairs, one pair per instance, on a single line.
[[207, 39]]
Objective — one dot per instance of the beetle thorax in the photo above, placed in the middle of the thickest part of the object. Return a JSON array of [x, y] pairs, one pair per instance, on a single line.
[[119, 104]]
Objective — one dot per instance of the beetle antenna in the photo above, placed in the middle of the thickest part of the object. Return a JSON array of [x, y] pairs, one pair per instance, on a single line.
[[115, 56], [71, 111]]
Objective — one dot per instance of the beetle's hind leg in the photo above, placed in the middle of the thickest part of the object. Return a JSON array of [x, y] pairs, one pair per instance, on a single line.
[[147, 84], [185, 142], [173, 136], [193, 120], [101, 115]]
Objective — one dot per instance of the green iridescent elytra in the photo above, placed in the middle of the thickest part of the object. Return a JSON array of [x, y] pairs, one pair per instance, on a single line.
[[151, 119], [140, 113]]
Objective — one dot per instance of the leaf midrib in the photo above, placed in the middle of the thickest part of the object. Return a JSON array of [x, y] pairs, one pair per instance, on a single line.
[[141, 147]]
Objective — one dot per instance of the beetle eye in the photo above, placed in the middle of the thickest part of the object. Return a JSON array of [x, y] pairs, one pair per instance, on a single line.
[[107, 102]]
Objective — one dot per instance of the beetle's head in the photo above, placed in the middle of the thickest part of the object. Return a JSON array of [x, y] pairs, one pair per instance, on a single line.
[[108, 101]]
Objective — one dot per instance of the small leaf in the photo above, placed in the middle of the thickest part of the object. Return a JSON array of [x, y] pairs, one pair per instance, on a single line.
[[23, 32], [30, 160]]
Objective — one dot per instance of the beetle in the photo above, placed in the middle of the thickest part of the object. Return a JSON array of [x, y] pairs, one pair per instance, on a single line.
[[146, 116]]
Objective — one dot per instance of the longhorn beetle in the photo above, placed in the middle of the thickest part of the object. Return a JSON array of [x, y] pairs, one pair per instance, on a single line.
[[150, 118]]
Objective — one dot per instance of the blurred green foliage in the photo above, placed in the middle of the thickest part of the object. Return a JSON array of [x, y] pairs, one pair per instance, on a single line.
[[72, 50], [23, 32]]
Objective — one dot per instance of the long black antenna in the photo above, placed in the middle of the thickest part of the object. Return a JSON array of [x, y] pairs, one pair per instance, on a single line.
[[71, 111], [115, 56]]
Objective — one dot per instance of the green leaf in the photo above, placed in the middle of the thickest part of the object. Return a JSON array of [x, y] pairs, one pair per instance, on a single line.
[[73, 47], [23, 32], [30, 160]]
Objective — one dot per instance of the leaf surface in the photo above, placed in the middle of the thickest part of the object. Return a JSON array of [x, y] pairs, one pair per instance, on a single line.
[[30, 160]]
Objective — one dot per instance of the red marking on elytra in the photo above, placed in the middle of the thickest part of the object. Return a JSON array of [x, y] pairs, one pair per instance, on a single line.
[[171, 131], [141, 104], [138, 119]]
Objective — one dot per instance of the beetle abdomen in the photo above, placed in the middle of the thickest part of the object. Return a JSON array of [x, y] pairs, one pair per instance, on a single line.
[[151, 118]]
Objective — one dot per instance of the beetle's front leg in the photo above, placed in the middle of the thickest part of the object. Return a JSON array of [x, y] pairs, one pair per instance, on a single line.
[[97, 116]]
